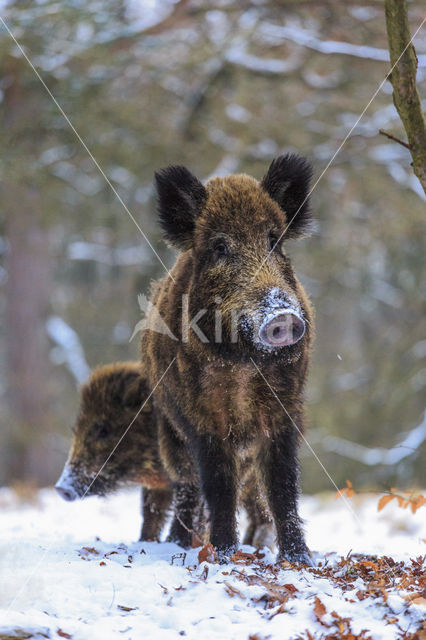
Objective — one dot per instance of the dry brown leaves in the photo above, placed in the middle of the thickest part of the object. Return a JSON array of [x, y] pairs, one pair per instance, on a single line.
[[319, 609], [414, 501], [380, 576], [347, 491], [207, 554], [411, 498]]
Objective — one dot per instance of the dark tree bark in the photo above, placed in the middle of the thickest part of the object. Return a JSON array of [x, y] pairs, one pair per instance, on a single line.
[[403, 78]]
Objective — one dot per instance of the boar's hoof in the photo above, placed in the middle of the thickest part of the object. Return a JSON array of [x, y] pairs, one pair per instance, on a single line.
[[224, 555], [301, 557]]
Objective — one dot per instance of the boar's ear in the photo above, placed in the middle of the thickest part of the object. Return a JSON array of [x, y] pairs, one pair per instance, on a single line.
[[287, 182], [135, 391], [181, 197]]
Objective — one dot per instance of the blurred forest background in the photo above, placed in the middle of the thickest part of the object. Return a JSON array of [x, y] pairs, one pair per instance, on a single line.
[[221, 87]]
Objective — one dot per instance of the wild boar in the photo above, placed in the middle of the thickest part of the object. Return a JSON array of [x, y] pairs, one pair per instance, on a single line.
[[239, 341], [110, 400]]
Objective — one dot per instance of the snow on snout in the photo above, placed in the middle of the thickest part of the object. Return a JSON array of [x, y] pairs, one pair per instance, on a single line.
[[65, 486]]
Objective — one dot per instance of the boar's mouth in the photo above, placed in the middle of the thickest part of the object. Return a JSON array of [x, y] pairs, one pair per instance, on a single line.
[[281, 328]]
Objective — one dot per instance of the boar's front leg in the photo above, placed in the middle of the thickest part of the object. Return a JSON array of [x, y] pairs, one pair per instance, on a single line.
[[155, 504], [218, 478], [280, 473]]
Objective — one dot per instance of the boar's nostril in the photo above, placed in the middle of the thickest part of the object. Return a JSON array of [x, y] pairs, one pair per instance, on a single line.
[[67, 493], [282, 330]]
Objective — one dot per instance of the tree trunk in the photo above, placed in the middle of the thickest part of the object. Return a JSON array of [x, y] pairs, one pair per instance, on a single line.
[[403, 78], [27, 295]]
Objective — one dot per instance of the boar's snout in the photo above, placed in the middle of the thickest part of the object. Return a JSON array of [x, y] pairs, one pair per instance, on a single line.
[[281, 328], [67, 493], [65, 487]]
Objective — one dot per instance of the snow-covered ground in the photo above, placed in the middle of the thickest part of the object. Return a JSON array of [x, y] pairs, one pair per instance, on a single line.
[[74, 571]]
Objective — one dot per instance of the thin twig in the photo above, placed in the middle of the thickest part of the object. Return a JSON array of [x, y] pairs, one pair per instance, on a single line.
[[391, 137], [193, 531]]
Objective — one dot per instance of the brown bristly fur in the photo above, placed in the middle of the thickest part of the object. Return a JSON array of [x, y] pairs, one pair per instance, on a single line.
[[110, 400], [217, 415]]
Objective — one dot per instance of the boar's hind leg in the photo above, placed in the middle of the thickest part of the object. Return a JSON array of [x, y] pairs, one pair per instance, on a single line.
[[260, 529], [219, 486], [186, 508], [280, 473], [155, 504]]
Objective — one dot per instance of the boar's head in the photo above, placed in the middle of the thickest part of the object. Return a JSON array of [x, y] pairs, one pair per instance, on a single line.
[[233, 231], [98, 462]]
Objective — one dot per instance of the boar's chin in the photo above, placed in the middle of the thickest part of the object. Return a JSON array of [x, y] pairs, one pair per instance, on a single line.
[[102, 486]]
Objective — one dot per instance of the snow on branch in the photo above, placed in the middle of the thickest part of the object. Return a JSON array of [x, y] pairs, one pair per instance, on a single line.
[[70, 350], [378, 455], [238, 55], [300, 36], [113, 256]]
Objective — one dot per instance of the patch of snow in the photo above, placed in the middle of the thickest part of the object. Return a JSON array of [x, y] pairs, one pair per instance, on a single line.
[[228, 164], [266, 148], [121, 175], [143, 14], [122, 332], [54, 154], [75, 567], [122, 256], [83, 183], [364, 13], [237, 112], [378, 455]]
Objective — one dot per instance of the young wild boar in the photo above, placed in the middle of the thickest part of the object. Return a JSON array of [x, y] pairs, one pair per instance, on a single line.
[[242, 325], [110, 400]]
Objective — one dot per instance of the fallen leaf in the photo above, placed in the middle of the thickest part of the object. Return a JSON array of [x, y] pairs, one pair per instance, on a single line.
[[63, 634], [383, 502], [207, 554], [91, 550], [319, 609], [233, 591], [122, 607], [290, 587]]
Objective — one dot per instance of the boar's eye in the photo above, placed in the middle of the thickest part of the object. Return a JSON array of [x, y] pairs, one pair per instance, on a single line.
[[101, 431], [220, 248]]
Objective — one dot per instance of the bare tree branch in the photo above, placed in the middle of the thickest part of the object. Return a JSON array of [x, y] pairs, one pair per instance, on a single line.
[[403, 79], [394, 138]]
